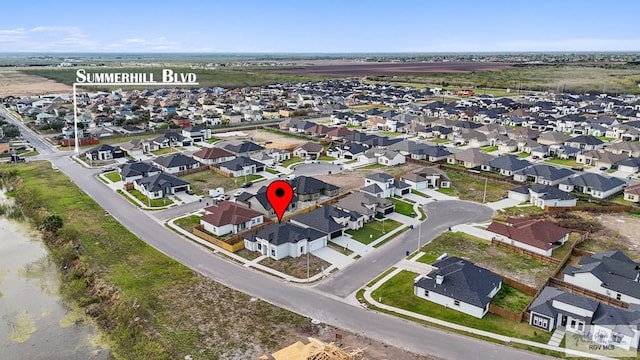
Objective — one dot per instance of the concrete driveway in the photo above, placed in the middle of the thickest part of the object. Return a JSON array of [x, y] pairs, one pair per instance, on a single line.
[[333, 256], [353, 245]]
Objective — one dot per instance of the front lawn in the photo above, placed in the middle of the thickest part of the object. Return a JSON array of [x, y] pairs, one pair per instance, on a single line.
[[398, 292], [297, 267], [404, 208], [113, 176], [419, 193], [213, 140], [272, 171], [489, 149], [202, 181], [163, 151], [565, 162], [251, 177], [289, 162], [501, 261], [153, 202], [188, 223], [511, 299], [472, 188], [326, 158], [523, 154], [373, 230], [438, 140]]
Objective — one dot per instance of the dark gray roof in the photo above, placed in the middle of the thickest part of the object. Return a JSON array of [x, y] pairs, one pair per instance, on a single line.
[[594, 181], [508, 162], [462, 281], [285, 232], [379, 177], [307, 185], [162, 181], [239, 163], [616, 271], [321, 219], [174, 160], [521, 189], [547, 172], [136, 169], [243, 147], [372, 189], [550, 192], [630, 162], [585, 139]]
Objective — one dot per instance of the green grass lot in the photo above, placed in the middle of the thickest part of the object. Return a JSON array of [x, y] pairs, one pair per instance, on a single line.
[[272, 171], [512, 299], [213, 140], [438, 140], [293, 160], [419, 193], [164, 151], [573, 78], [373, 230], [388, 133], [489, 149], [373, 166], [154, 202], [113, 176], [177, 311], [398, 292], [606, 139], [481, 253], [202, 181], [124, 139], [251, 177], [395, 235], [326, 158], [565, 162], [29, 153], [523, 154], [404, 208], [188, 223], [518, 211], [205, 77], [472, 188]]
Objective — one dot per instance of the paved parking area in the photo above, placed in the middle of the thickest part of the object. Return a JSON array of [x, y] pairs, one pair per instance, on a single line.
[[333, 256], [186, 198], [351, 244]]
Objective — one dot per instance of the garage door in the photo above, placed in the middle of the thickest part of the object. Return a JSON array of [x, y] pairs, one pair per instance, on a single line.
[[317, 244], [180, 188], [388, 211], [336, 234], [405, 191]]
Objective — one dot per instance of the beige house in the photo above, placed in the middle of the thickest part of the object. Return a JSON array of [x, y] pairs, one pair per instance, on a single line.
[[632, 193]]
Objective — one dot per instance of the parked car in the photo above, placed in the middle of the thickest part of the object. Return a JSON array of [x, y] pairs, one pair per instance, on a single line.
[[535, 157], [603, 168], [247, 184], [577, 168], [189, 192], [222, 197], [239, 192]]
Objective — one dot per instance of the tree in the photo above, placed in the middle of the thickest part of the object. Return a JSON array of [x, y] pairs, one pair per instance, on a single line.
[[11, 131], [52, 224]]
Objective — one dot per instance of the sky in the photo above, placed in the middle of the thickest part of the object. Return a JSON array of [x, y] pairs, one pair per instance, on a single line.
[[327, 26]]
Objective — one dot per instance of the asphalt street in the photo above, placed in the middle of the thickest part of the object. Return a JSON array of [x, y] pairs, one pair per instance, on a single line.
[[308, 301], [440, 216]]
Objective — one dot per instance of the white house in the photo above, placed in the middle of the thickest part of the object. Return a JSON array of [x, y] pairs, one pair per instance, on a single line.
[[610, 273], [381, 156], [229, 217], [176, 163], [459, 285], [280, 240], [596, 185], [384, 185]]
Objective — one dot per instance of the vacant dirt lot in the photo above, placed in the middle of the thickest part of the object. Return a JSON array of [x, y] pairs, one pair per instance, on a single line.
[[349, 180], [278, 141], [388, 68], [15, 83], [620, 233]]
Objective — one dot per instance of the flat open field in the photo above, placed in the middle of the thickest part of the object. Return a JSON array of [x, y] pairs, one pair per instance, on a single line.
[[278, 141], [390, 68], [349, 180], [16, 83]]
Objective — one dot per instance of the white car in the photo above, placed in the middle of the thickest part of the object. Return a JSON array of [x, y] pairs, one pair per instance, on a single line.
[[239, 192]]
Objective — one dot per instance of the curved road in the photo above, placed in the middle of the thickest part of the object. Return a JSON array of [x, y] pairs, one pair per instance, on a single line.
[[303, 300], [440, 216]]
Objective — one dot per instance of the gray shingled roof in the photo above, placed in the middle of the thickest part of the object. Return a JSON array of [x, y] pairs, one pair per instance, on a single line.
[[463, 281], [175, 160], [321, 219], [594, 181], [547, 172], [616, 271], [285, 232]]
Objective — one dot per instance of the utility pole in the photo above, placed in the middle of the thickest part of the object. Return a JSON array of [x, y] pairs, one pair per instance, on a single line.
[[308, 273], [484, 196], [419, 235]]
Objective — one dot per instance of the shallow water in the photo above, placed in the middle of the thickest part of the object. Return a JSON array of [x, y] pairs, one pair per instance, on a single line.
[[34, 322]]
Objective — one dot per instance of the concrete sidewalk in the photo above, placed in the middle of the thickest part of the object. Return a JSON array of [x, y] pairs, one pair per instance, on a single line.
[[472, 230]]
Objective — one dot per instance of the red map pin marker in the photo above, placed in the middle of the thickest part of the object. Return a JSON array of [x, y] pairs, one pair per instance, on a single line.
[[279, 195]]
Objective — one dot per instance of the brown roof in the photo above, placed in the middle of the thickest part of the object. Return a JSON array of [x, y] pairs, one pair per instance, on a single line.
[[212, 153], [538, 233], [311, 147], [228, 212], [633, 189], [339, 131]]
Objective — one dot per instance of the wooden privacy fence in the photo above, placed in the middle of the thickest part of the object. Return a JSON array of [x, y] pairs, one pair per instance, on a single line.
[[595, 209], [507, 314], [586, 293], [526, 252], [529, 290], [227, 245], [191, 171]]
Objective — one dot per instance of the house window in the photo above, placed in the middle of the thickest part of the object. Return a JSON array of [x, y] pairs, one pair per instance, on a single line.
[[259, 246], [580, 326], [301, 249], [426, 293], [617, 338], [273, 252], [456, 302], [619, 297]]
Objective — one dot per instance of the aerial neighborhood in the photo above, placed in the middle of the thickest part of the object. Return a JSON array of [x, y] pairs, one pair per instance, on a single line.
[[373, 164]]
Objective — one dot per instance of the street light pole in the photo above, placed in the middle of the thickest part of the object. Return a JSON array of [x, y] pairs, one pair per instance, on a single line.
[[484, 196], [308, 273]]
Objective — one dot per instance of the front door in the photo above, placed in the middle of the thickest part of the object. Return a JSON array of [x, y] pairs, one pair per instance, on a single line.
[[563, 321]]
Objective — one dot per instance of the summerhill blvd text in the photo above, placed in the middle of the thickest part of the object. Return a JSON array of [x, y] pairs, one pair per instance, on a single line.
[[168, 77]]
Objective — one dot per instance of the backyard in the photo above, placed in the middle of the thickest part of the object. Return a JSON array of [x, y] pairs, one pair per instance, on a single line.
[[373, 230], [188, 223], [398, 292], [511, 299], [501, 261], [471, 188], [565, 162], [202, 181]]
